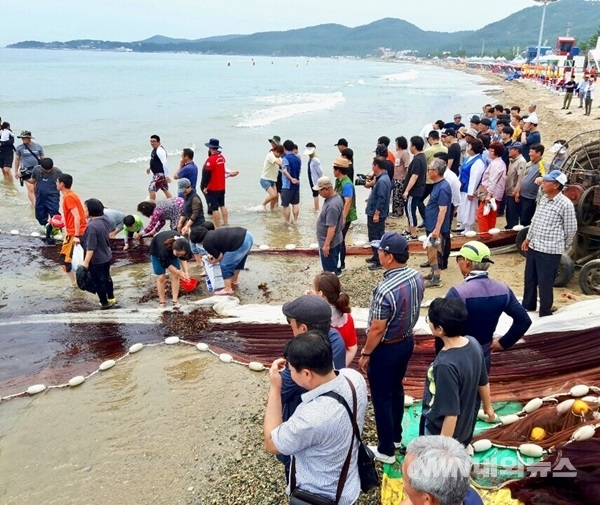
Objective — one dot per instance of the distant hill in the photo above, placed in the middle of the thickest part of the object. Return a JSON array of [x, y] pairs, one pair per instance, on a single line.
[[580, 17]]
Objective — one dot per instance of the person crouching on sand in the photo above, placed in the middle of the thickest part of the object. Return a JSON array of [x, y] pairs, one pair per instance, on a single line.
[[229, 247], [169, 251]]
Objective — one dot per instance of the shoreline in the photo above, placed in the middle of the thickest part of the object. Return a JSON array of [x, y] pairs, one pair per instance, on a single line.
[[182, 427]]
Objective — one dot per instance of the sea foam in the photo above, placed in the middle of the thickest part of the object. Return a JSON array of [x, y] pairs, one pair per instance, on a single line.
[[288, 105], [411, 75]]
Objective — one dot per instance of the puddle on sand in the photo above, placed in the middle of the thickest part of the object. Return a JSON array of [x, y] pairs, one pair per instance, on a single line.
[[151, 423]]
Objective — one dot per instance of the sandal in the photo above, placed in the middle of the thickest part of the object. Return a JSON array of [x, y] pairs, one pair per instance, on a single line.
[[223, 292], [161, 305], [176, 306], [235, 283]]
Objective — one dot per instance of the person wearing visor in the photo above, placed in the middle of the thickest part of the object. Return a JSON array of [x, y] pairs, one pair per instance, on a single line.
[[486, 300]]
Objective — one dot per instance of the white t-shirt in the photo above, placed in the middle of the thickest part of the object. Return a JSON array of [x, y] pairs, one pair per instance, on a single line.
[[454, 182]]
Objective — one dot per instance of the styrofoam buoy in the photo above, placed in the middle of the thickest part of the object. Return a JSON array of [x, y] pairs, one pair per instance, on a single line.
[[532, 405], [509, 419], [314, 245], [290, 247], [171, 340], [35, 234], [584, 433], [408, 401], [590, 399], [422, 238], [201, 346], [136, 347], [470, 233], [226, 358], [518, 227], [531, 450], [482, 445], [482, 416], [494, 231], [76, 381], [109, 363], [565, 406], [470, 450], [263, 247], [14, 232], [579, 390], [35, 389], [256, 366], [451, 236], [359, 243]]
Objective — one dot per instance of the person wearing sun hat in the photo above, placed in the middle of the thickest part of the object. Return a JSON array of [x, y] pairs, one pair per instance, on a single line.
[[486, 300], [550, 234], [28, 155]]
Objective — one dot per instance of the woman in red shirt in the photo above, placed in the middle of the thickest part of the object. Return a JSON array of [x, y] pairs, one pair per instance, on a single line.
[[327, 285]]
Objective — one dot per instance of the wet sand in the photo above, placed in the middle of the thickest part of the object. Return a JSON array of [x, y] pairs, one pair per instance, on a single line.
[[168, 425]]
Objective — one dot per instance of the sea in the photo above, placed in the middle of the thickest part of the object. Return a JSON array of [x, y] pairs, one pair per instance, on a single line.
[[93, 113]]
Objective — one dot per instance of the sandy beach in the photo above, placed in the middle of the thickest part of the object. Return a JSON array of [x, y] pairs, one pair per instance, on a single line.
[[172, 425]]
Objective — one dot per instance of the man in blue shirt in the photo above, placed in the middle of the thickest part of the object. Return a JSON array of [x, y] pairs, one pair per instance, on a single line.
[[290, 186], [486, 300], [437, 220], [187, 169], [530, 135], [378, 207]]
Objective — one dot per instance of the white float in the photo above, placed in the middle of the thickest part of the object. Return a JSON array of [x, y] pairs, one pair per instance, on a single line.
[[518, 227], [109, 363], [226, 358], [256, 366], [590, 399], [14, 232], [202, 347], [470, 233], [532, 405], [579, 390], [263, 247], [314, 245], [408, 401], [359, 243], [509, 419], [564, 407], [35, 389], [422, 238], [76, 381], [584, 433], [136, 347], [290, 247], [531, 450], [171, 340], [482, 416], [494, 231], [35, 234], [482, 445]]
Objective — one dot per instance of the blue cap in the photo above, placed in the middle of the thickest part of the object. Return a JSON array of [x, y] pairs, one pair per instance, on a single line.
[[391, 242], [556, 176]]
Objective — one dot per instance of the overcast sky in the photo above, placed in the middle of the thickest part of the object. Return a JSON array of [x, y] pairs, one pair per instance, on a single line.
[[131, 20]]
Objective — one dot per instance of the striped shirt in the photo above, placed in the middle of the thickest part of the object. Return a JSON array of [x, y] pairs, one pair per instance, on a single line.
[[319, 434], [553, 226], [397, 299]]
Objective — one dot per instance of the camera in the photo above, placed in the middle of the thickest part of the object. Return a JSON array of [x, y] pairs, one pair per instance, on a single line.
[[361, 179]]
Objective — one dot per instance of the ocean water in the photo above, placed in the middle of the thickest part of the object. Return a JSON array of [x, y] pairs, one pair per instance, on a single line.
[[93, 112]]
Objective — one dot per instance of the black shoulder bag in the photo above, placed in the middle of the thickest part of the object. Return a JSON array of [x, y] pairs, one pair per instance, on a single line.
[[27, 171]]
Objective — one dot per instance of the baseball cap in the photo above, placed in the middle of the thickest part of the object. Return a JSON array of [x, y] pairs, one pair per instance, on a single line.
[[457, 116], [475, 119], [341, 162], [486, 121], [341, 142], [308, 309], [475, 251], [381, 150], [556, 176], [532, 118], [323, 182], [183, 183], [517, 145], [391, 242], [449, 132]]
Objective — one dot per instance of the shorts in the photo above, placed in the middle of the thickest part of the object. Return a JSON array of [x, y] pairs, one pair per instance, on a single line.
[[214, 200], [266, 184], [7, 158], [159, 183], [66, 254], [290, 197], [159, 269], [197, 248]]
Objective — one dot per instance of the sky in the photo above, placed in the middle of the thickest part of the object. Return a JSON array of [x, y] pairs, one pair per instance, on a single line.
[[132, 20]]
